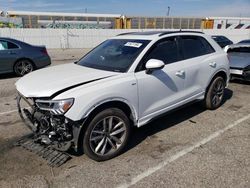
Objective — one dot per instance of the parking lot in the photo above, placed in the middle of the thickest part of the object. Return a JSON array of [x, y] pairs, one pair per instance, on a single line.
[[191, 147]]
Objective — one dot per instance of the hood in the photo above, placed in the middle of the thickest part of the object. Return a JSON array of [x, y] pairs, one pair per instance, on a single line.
[[239, 60], [49, 81]]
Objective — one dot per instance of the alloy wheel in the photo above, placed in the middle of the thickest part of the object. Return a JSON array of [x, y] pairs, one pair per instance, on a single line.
[[217, 93], [23, 67], [107, 135]]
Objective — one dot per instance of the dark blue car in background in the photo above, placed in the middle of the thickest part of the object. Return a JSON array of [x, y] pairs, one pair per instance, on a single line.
[[21, 58], [239, 61]]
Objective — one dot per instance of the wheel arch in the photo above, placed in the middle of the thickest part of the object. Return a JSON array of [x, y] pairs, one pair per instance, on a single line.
[[24, 58], [121, 104], [221, 73]]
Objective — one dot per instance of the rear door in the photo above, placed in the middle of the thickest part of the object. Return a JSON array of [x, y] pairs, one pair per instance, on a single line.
[[198, 64], [8, 55]]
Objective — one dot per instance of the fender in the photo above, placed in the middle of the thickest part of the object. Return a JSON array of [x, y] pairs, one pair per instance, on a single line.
[[220, 70], [132, 108], [77, 129]]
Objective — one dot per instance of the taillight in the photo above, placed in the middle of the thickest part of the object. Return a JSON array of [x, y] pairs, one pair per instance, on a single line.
[[44, 51]]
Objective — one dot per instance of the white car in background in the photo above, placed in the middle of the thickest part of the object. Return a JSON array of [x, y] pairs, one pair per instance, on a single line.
[[125, 81]]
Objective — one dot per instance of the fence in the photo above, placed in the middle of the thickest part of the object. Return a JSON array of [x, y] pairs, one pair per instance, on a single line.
[[88, 38], [165, 22]]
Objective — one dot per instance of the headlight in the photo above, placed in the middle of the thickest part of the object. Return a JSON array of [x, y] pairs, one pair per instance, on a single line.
[[57, 107]]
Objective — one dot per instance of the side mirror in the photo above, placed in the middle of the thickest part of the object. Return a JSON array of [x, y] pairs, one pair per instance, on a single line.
[[75, 62], [154, 64]]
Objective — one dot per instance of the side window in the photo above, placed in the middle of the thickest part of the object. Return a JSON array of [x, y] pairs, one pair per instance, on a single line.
[[208, 48], [194, 46], [166, 50], [5, 45], [12, 45]]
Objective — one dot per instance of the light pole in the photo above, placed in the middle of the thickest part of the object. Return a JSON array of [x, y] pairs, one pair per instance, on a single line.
[[168, 12]]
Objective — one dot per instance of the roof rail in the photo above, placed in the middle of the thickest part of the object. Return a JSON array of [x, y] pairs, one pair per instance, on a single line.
[[180, 31], [125, 33]]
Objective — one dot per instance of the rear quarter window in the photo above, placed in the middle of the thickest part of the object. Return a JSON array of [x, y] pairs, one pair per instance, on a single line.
[[12, 45]]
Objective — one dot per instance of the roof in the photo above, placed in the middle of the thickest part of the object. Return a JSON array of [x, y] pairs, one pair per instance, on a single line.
[[159, 33], [153, 34], [14, 41], [7, 38], [142, 33], [19, 13]]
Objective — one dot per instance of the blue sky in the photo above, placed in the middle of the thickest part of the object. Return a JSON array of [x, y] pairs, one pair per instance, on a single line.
[[136, 7]]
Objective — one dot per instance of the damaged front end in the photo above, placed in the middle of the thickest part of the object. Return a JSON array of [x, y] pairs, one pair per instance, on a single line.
[[46, 119]]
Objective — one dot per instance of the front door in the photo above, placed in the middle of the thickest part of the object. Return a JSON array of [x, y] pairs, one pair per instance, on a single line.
[[162, 89]]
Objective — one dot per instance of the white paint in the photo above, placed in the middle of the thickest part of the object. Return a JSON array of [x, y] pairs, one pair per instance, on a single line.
[[152, 170], [89, 38], [8, 112]]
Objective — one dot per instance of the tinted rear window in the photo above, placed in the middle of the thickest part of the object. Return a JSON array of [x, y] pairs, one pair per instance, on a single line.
[[194, 46]]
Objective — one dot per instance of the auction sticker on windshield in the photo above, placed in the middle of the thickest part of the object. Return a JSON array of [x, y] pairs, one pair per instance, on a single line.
[[133, 44]]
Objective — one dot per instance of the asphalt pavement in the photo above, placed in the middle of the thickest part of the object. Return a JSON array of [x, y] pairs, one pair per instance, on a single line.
[[191, 147]]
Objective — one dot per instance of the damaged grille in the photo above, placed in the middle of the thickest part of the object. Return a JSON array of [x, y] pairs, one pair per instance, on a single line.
[[53, 157]]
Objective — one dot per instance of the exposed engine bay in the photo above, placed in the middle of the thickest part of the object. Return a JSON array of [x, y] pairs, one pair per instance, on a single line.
[[48, 127]]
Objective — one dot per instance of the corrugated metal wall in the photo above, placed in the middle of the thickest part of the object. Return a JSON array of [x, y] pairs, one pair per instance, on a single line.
[[88, 38]]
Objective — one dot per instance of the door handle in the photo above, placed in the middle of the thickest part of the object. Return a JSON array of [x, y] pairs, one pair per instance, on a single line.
[[212, 64], [12, 53], [180, 73]]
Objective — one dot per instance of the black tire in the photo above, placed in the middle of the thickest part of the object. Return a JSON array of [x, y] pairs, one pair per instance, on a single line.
[[23, 67], [93, 136], [215, 93]]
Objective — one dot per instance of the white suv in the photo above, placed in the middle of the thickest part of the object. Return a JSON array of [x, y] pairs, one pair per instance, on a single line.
[[126, 81]]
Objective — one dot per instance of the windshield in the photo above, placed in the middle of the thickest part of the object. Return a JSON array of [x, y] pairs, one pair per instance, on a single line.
[[114, 55]]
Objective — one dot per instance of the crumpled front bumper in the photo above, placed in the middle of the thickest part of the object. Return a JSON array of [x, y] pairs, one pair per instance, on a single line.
[[27, 111]]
